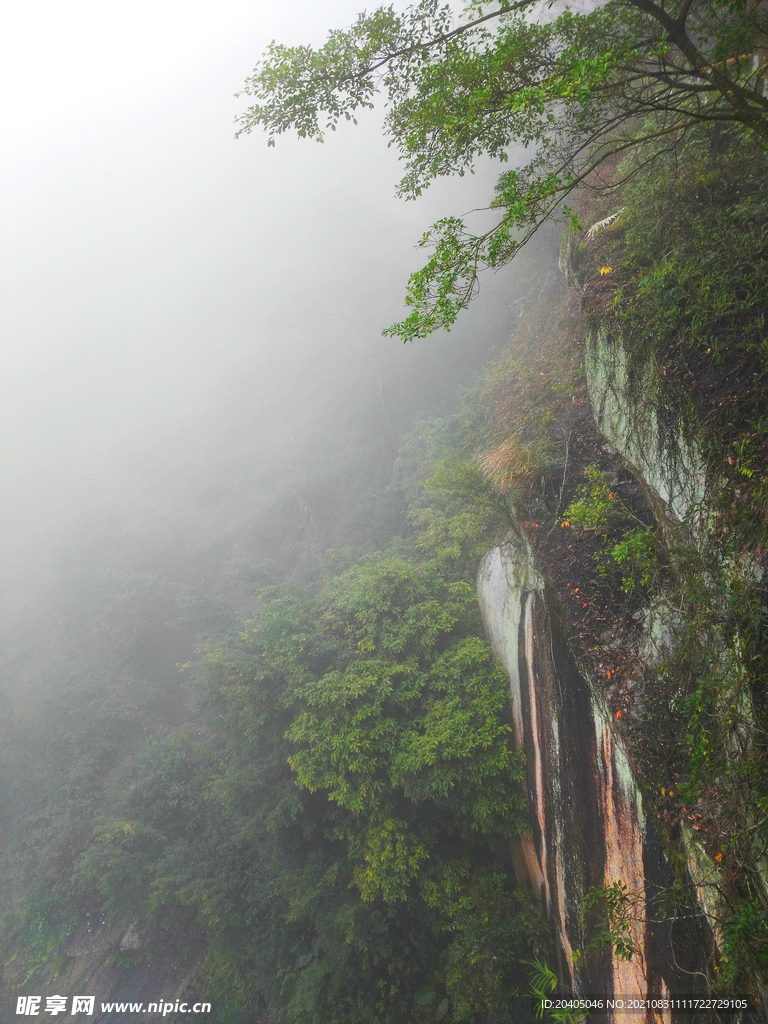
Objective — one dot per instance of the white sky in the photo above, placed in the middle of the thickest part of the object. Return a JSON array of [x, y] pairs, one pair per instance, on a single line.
[[123, 185], [147, 257]]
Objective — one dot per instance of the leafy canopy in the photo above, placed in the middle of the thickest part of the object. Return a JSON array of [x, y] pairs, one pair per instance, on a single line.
[[337, 834], [346, 829], [576, 90]]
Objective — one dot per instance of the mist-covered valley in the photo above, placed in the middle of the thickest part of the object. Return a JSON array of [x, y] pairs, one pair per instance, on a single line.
[[196, 396]]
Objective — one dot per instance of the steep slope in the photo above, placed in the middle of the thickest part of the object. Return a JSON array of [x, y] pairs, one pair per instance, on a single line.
[[629, 604]]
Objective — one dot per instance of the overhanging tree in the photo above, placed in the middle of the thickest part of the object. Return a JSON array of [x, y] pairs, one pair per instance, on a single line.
[[576, 89]]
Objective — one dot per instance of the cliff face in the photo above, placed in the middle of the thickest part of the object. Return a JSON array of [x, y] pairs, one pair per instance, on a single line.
[[588, 828], [647, 431], [119, 964]]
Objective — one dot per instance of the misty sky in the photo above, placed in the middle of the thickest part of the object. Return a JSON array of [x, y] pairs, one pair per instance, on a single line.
[[152, 265]]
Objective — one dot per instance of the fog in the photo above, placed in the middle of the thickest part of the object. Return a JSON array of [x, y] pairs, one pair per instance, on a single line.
[[196, 399], [181, 308]]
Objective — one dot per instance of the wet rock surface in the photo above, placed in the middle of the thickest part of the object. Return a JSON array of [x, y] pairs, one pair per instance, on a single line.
[[588, 828]]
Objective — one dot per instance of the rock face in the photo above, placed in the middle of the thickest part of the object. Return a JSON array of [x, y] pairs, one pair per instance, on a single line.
[[152, 965], [657, 433], [586, 812], [647, 431]]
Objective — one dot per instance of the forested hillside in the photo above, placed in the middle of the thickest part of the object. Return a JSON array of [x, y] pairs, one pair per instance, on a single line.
[[272, 757], [104, 699]]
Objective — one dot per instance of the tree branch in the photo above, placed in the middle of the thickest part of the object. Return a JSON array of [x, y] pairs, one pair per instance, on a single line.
[[740, 99], [519, 5]]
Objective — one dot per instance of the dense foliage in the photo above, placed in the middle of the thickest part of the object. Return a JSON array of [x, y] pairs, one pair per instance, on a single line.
[[387, 834], [339, 833]]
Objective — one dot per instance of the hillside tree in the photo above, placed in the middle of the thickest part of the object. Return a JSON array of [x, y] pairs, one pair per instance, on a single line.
[[573, 89]]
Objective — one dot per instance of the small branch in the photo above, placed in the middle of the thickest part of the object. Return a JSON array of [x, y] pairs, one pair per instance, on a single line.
[[519, 5], [567, 440], [683, 15]]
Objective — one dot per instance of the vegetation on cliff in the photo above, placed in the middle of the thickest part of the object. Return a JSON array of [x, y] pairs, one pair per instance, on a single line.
[[687, 291]]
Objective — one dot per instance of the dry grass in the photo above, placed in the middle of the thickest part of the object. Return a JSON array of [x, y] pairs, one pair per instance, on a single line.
[[513, 465]]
